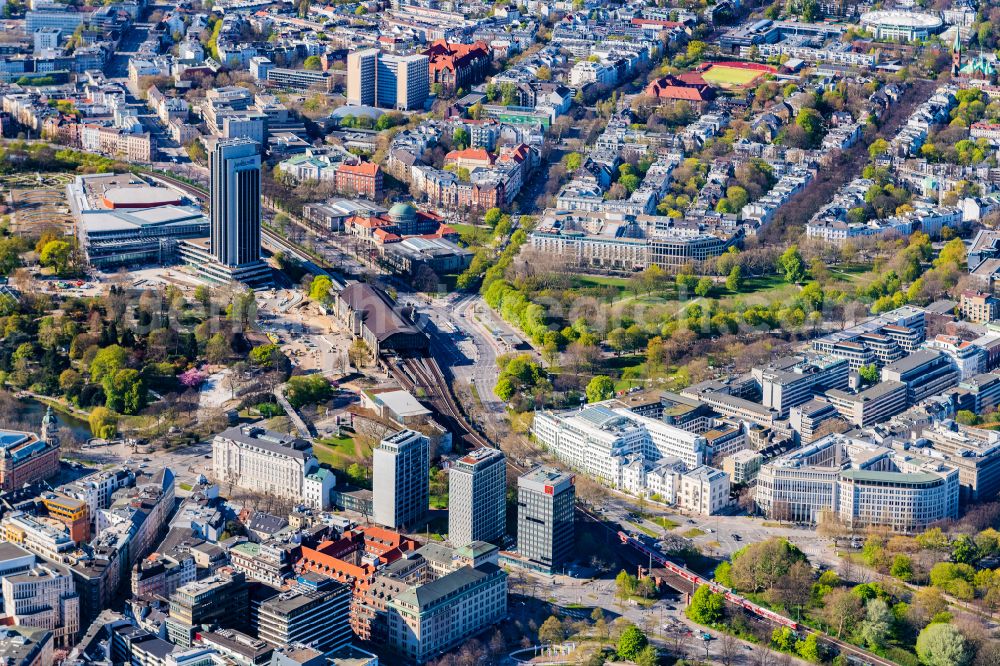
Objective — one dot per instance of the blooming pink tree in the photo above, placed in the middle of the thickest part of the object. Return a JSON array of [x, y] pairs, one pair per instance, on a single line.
[[192, 378]]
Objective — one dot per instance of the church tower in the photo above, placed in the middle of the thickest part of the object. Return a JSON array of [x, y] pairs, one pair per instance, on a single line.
[[49, 429]]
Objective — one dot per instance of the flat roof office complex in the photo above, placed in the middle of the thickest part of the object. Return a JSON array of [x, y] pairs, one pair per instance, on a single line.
[[233, 252], [600, 440], [477, 486], [859, 484]]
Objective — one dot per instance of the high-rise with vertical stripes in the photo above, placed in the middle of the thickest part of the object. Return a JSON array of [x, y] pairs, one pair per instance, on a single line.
[[477, 485], [235, 165]]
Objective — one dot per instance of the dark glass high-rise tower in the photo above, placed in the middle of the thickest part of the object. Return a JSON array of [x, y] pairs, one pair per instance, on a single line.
[[235, 166]]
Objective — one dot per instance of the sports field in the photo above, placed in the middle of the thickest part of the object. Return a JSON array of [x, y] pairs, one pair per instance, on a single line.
[[725, 76]]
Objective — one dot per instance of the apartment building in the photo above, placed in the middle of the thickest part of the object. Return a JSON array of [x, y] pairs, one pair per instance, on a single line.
[[742, 466], [429, 619], [925, 373], [36, 537], [263, 461], [982, 393], [545, 530], [879, 340], [875, 404], [119, 143], [355, 560], [26, 646], [974, 452], [45, 597], [807, 418], [400, 491], [979, 307], [71, 512], [159, 575], [477, 488]]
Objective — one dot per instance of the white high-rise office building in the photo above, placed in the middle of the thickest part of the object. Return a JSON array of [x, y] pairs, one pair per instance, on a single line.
[[400, 469], [477, 484], [361, 67], [388, 81]]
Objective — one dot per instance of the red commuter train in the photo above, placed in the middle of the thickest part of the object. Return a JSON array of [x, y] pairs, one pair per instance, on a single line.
[[695, 579]]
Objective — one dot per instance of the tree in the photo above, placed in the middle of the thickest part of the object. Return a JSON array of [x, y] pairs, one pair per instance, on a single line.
[[492, 216], [631, 643], [942, 645], [319, 288], [706, 607], [877, 625], [869, 373], [809, 649], [308, 389], [264, 356], [196, 151], [842, 611], [704, 286], [760, 566], [625, 585], [55, 255], [811, 123], [103, 423], [217, 349], [461, 139], [792, 265], [572, 161], [313, 63], [734, 282], [964, 550], [600, 388], [902, 567], [125, 391], [358, 353], [647, 657], [106, 362], [877, 147], [551, 632], [544, 73]]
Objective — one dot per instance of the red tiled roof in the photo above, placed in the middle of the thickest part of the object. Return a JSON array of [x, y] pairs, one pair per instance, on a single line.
[[363, 169], [673, 87], [452, 56], [477, 154]]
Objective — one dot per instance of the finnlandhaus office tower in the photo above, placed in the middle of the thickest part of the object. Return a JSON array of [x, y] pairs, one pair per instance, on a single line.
[[545, 531]]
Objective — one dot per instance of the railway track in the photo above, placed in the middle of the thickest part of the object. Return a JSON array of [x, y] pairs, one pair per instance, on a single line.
[[425, 373]]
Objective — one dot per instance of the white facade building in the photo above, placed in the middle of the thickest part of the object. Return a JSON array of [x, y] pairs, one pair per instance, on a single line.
[[262, 461]]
